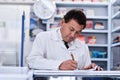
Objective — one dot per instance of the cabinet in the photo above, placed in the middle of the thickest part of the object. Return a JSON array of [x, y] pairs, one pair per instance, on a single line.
[[10, 31], [97, 13], [9, 34], [115, 32]]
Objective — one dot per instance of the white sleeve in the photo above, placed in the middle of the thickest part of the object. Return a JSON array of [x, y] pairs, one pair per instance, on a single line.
[[87, 54], [37, 60]]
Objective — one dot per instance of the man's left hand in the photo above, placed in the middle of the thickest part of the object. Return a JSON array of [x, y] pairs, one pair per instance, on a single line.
[[94, 67]]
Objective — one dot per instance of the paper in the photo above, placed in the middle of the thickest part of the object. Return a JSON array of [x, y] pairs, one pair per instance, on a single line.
[[59, 71]]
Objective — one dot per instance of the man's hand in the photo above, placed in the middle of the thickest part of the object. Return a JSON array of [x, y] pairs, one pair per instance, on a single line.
[[94, 67], [68, 65]]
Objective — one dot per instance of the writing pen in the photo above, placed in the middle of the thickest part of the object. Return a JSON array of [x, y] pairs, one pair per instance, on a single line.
[[72, 56]]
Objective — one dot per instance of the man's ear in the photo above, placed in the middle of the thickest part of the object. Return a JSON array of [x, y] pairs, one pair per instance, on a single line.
[[62, 22]]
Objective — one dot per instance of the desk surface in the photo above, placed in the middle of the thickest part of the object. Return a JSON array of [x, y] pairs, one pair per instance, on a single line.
[[84, 73]]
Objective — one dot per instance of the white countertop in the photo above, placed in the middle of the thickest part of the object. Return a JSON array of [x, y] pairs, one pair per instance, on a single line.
[[15, 73], [84, 73]]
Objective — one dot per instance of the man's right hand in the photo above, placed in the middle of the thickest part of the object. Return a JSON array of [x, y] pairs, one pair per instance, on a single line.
[[68, 65]]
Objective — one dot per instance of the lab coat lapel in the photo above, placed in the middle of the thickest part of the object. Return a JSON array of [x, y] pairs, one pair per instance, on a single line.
[[56, 36], [74, 45]]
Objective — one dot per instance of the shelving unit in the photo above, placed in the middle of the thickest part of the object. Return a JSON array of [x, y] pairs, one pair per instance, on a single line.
[[117, 29], [97, 45], [89, 17], [100, 59], [103, 35], [96, 31], [80, 3], [116, 44], [18, 2], [115, 47]]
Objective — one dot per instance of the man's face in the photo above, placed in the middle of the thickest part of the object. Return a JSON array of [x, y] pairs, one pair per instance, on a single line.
[[70, 30]]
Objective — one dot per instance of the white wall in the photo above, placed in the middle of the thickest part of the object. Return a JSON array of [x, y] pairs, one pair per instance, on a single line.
[[10, 32]]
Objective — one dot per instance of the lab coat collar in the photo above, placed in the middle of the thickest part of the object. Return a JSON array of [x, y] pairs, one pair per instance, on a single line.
[[57, 36], [75, 44]]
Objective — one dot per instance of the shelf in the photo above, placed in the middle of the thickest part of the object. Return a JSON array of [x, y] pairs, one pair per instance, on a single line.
[[116, 15], [17, 2], [58, 3], [116, 2], [95, 31], [117, 29], [116, 44], [97, 45], [89, 17], [97, 17], [58, 16], [99, 59], [82, 3]]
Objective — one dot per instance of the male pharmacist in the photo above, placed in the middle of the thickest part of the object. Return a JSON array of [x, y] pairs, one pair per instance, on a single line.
[[60, 49]]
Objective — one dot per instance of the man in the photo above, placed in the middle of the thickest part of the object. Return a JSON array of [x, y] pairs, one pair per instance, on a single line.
[[50, 52]]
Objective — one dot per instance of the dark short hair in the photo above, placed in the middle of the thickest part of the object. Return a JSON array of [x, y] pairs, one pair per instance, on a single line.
[[77, 15]]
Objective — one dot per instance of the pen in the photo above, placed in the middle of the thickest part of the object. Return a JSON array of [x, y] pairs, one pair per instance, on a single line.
[[72, 56]]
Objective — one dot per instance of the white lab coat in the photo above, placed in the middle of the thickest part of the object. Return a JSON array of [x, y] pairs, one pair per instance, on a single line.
[[49, 51]]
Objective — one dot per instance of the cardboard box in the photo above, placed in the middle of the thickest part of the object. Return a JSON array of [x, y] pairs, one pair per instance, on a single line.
[[91, 40], [89, 24]]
